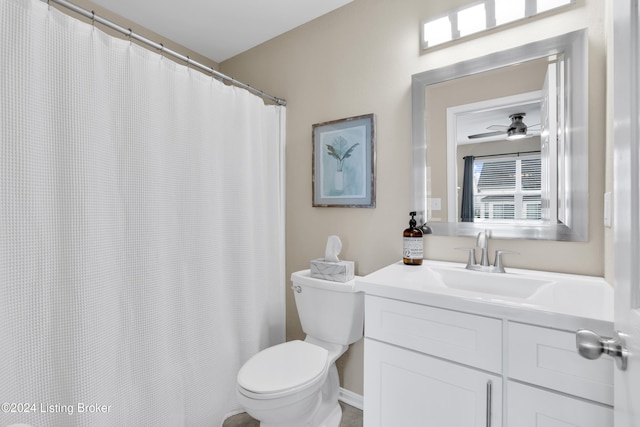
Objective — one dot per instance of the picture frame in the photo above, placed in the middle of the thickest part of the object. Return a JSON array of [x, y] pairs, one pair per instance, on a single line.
[[343, 163]]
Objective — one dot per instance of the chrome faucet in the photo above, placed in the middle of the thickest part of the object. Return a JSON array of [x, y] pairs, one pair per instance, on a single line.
[[482, 243]]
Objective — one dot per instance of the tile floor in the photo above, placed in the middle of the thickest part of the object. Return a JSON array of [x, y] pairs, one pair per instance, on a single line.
[[351, 417]]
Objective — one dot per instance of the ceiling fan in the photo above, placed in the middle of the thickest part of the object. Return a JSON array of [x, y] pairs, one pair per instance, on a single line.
[[516, 130]]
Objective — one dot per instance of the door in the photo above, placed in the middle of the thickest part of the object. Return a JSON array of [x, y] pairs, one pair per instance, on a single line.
[[626, 52]]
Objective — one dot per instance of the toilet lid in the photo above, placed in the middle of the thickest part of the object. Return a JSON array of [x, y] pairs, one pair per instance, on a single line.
[[283, 367]]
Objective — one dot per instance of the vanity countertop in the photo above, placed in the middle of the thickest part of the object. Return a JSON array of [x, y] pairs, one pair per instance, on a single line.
[[561, 301]]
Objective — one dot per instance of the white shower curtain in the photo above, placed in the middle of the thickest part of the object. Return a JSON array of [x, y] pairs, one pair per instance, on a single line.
[[141, 230]]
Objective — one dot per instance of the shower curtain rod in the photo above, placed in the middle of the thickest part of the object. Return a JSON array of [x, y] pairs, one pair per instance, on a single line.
[[159, 46]]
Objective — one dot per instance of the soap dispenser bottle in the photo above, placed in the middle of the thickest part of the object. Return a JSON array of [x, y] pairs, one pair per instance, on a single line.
[[412, 243]]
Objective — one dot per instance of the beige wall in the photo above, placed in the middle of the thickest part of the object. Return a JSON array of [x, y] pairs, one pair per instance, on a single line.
[[358, 60]]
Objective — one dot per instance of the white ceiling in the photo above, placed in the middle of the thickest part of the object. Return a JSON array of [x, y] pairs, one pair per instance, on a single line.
[[220, 29]]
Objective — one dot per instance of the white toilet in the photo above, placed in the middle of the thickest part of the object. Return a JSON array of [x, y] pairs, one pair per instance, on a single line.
[[296, 384]]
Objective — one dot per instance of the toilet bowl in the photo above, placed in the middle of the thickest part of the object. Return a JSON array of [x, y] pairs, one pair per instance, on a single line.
[[296, 384], [281, 386]]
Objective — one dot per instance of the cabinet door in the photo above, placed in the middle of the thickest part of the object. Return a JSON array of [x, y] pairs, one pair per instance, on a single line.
[[528, 406], [407, 388]]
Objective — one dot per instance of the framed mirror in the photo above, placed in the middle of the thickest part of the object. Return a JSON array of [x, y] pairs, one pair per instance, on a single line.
[[500, 142]]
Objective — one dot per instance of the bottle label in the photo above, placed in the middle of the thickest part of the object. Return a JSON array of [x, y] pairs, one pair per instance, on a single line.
[[412, 247]]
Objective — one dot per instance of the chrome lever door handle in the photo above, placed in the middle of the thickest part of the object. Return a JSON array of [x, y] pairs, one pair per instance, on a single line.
[[591, 345]]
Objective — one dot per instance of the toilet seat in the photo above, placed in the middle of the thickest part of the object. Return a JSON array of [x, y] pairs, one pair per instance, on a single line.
[[282, 370]]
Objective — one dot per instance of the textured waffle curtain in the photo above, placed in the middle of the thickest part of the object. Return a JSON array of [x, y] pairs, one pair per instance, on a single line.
[[141, 230]]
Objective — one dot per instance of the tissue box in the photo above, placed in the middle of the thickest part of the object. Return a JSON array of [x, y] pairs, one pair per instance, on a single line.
[[341, 271]]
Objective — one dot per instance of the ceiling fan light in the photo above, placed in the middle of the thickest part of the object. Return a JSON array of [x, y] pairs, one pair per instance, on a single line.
[[516, 134], [517, 129]]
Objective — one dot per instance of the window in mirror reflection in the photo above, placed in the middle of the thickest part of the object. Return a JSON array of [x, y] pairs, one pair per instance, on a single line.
[[505, 187]]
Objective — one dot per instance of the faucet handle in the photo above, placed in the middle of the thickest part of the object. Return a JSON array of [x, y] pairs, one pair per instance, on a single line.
[[471, 261], [498, 265]]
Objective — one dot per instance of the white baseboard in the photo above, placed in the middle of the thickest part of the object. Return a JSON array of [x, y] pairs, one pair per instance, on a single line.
[[351, 398]]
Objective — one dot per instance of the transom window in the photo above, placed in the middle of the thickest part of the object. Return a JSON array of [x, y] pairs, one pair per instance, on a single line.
[[480, 16]]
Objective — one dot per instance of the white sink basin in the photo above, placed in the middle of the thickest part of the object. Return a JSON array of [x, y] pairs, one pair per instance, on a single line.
[[450, 285], [512, 286]]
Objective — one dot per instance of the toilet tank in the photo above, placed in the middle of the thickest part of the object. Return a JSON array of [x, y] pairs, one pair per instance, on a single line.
[[330, 311]]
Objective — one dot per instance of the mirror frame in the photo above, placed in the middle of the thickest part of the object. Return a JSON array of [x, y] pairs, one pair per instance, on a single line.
[[574, 47]]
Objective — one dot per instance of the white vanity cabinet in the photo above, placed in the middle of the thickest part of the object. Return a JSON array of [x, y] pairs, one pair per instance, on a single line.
[[443, 363], [425, 366]]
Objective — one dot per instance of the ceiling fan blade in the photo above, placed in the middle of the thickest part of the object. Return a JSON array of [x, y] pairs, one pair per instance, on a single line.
[[485, 135], [498, 127]]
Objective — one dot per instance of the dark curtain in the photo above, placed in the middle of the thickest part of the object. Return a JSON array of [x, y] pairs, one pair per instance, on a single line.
[[466, 213]]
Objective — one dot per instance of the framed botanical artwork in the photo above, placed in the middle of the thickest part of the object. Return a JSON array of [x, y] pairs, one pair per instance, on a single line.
[[344, 159]]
